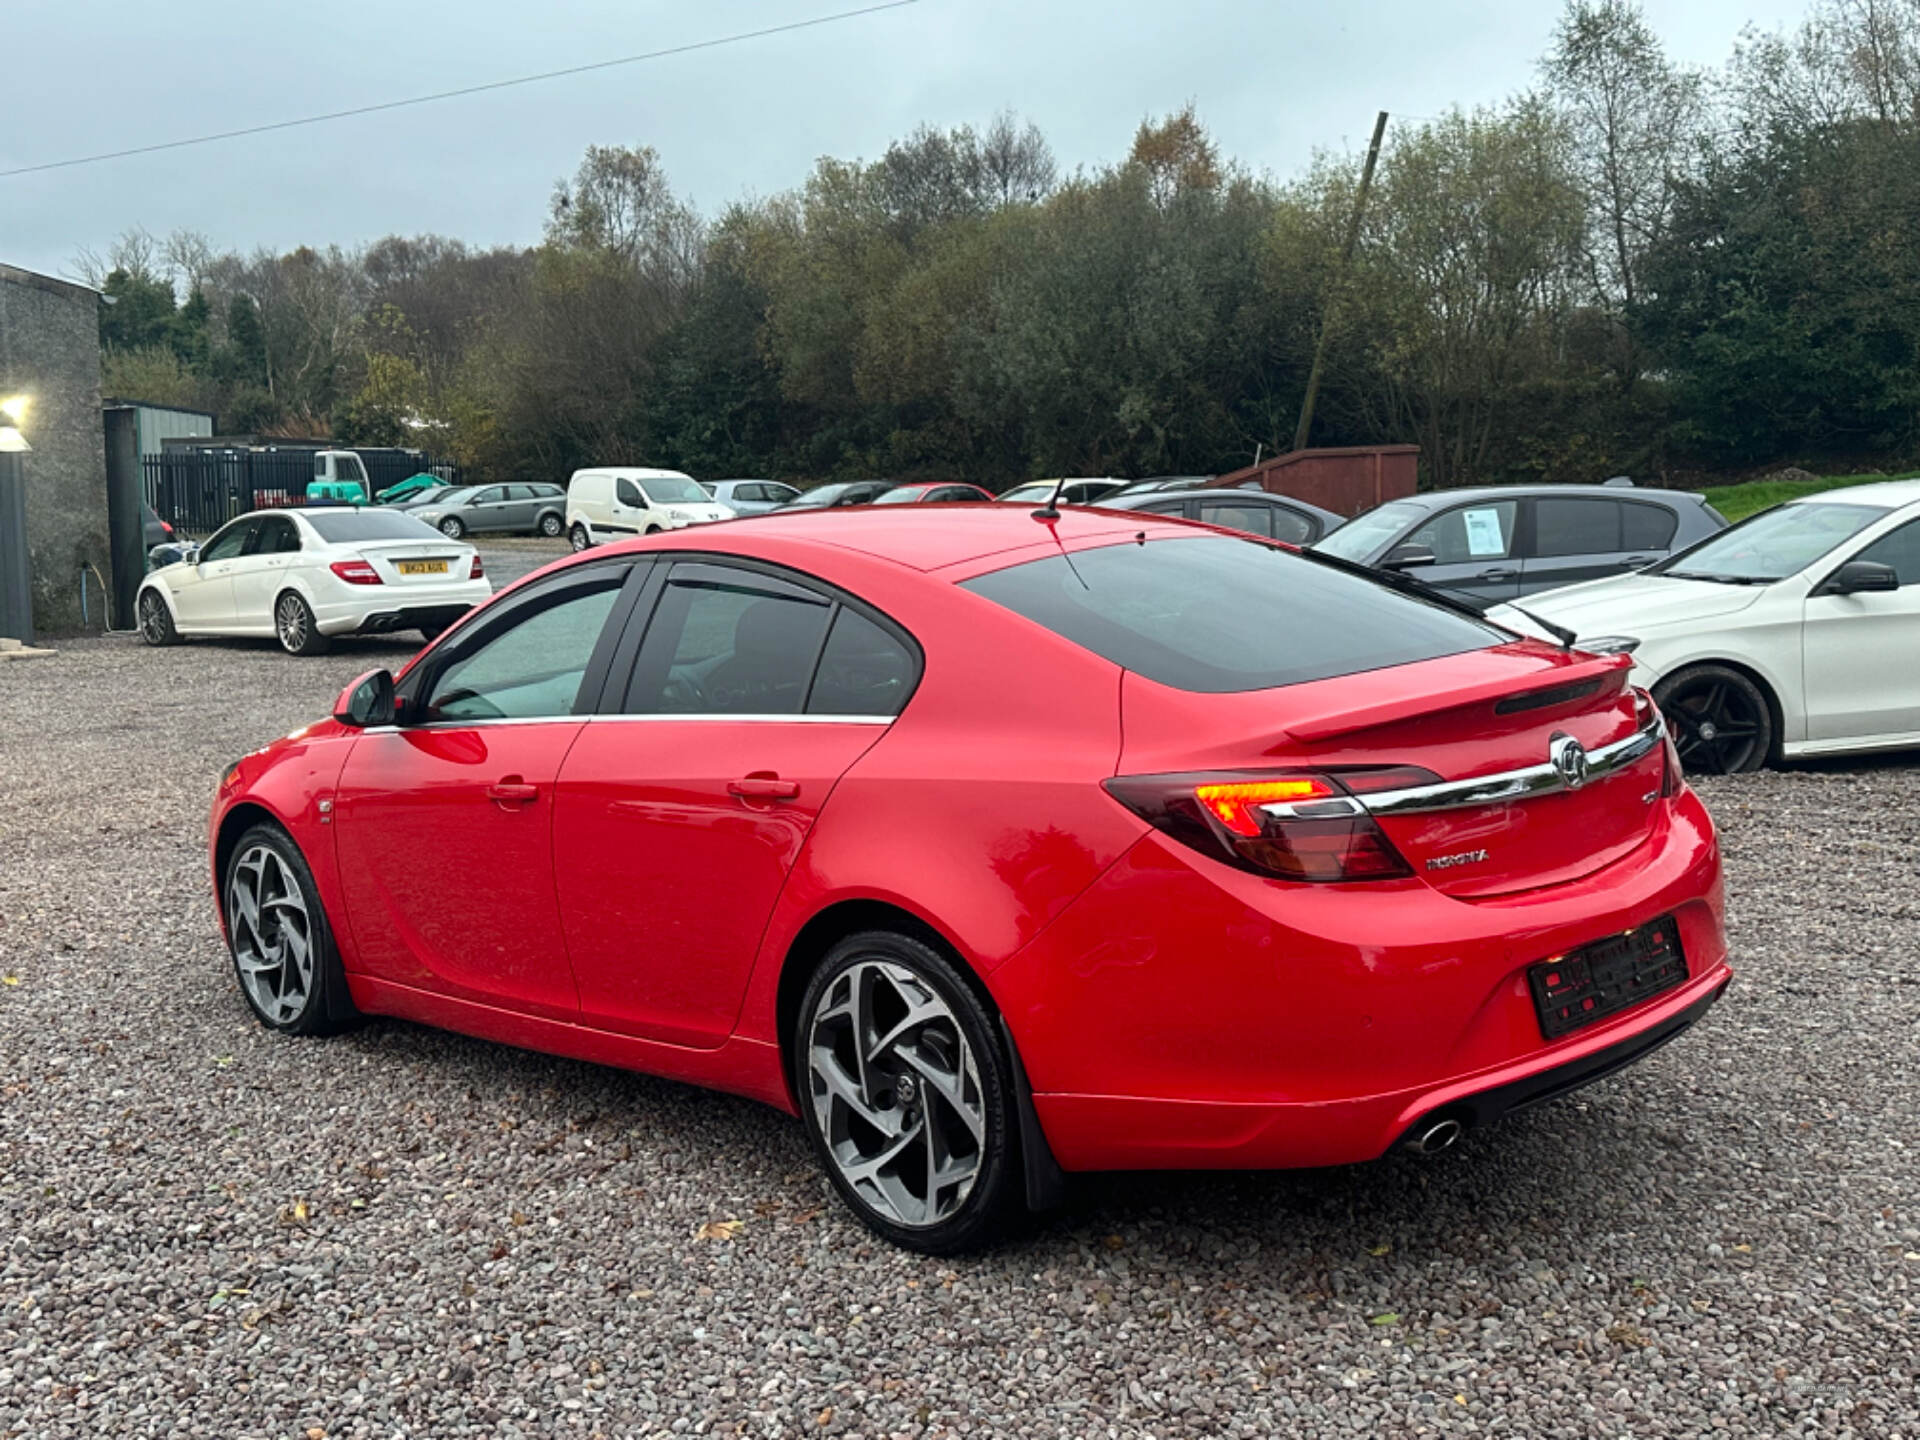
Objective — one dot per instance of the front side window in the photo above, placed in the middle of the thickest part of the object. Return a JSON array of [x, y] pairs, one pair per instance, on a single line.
[[728, 642], [779, 494], [229, 542], [1773, 544], [533, 667], [674, 490], [1217, 615], [1469, 533], [1901, 550], [628, 494], [492, 495]]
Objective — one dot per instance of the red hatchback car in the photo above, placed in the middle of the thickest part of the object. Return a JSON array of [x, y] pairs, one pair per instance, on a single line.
[[994, 846]]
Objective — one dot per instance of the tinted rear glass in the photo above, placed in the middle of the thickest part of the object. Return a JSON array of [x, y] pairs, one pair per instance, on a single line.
[[349, 527], [1216, 615]]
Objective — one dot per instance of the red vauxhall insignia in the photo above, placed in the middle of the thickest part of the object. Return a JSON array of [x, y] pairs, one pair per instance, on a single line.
[[995, 846]]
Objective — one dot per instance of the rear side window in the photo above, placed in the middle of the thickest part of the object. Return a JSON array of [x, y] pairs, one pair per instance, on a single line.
[[1255, 519], [1647, 527], [1216, 615], [864, 670], [727, 642], [1575, 527]]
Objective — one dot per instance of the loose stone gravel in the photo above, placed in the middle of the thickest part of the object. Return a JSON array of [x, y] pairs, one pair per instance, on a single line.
[[210, 1230]]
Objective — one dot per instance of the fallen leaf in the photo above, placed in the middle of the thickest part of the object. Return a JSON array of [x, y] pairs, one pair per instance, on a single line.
[[1378, 1250], [517, 1218], [223, 1061], [720, 1230], [1114, 1242], [9, 979], [300, 1211], [1459, 1399], [824, 1418], [1743, 1249], [806, 1217], [314, 1432], [1390, 1317]]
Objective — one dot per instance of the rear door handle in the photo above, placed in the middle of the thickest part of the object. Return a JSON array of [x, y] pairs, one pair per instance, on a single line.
[[764, 787], [512, 791], [1635, 560], [1498, 575]]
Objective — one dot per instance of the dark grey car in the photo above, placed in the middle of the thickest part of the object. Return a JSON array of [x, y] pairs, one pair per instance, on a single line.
[[1499, 543], [515, 509], [1279, 517]]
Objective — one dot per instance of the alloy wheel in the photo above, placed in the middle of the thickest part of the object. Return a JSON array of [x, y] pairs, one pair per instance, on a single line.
[[550, 525], [290, 623], [1716, 727], [896, 1092], [272, 934], [153, 619]]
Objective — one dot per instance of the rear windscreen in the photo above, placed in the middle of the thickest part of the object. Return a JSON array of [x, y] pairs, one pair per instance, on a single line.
[[1216, 615], [348, 527]]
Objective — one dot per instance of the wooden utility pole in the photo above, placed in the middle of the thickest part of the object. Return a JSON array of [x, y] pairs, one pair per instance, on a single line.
[[1339, 282]]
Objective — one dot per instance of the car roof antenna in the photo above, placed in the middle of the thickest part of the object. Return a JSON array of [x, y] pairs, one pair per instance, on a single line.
[[1051, 510]]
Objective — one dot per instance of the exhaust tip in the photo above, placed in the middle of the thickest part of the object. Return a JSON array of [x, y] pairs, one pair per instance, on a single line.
[[1433, 1136]]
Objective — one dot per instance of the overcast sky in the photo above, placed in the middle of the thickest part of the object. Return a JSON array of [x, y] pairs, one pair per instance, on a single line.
[[1273, 79]]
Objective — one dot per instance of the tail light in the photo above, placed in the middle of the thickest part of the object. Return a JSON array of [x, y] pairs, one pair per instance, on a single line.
[[1673, 778], [166, 529], [474, 572], [356, 572], [1294, 825]]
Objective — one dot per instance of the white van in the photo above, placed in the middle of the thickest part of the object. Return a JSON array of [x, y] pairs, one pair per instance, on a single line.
[[615, 501]]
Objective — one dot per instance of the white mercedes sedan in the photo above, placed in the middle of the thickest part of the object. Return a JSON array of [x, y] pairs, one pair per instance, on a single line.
[[304, 576], [1792, 634]]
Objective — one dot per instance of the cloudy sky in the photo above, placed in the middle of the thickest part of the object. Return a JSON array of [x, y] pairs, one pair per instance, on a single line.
[[1273, 79]]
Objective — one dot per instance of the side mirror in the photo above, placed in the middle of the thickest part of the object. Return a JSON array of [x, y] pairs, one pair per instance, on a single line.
[[1405, 557], [1858, 576], [367, 701]]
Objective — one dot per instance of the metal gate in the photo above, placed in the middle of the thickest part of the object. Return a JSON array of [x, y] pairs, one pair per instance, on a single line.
[[198, 489]]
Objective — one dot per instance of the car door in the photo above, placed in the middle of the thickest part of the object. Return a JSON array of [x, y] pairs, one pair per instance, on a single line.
[[1860, 653], [777, 494], [630, 512], [485, 510], [683, 806], [203, 597], [1575, 538], [261, 571], [443, 825], [517, 512], [1474, 548]]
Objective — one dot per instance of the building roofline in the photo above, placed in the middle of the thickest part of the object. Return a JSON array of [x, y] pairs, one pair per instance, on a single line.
[[123, 400], [35, 280]]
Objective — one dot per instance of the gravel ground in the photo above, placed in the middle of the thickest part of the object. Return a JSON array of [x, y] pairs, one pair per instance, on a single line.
[[210, 1230]]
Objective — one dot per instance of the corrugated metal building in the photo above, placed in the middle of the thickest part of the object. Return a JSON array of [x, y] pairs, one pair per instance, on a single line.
[[154, 424]]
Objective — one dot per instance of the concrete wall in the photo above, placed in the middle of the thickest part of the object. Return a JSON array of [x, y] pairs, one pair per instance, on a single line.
[[50, 351]]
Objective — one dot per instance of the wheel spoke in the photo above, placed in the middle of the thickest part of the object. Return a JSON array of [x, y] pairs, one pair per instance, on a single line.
[[271, 933]]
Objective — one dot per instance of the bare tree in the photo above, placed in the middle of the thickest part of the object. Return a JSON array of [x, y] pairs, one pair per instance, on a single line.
[[619, 202], [134, 251], [1018, 163]]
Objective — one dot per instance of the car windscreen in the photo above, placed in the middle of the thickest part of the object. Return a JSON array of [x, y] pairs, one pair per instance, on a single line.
[[1218, 615], [674, 490], [1038, 491], [350, 527], [1360, 538], [1773, 544]]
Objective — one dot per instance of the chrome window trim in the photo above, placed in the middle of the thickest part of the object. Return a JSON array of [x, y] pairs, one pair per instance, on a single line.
[[1603, 763], [625, 719]]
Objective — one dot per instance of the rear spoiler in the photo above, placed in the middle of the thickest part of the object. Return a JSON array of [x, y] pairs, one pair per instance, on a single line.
[[1346, 719]]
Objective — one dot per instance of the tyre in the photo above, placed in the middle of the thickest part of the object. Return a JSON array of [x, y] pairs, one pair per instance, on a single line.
[[579, 538], [653, 529], [295, 627], [433, 632], [907, 1094], [283, 952], [1721, 721], [452, 528], [551, 525], [155, 619]]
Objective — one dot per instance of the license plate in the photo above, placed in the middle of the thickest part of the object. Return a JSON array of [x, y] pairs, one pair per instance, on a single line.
[[1606, 977], [421, 567]]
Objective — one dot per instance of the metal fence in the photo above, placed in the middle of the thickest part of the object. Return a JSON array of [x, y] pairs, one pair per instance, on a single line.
[[198, 490]]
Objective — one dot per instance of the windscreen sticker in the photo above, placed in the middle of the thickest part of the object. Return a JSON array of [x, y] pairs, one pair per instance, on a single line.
[[1483, 532]]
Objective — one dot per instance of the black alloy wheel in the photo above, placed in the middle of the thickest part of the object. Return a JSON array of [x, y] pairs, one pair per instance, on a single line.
[[1720, 720]]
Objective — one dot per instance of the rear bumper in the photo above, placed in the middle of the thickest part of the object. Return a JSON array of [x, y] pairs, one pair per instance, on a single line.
[[382, 608], [1202, 1135], [1183, 1015]]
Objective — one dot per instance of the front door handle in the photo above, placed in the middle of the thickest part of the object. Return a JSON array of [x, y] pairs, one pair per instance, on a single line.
[[1498, 575], [512, 791], [1634, 562], [764, 787]]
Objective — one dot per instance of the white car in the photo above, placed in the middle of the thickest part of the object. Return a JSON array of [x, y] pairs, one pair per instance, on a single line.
[[613, 502], [303, 576], [1794, 633], [751, 497]]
